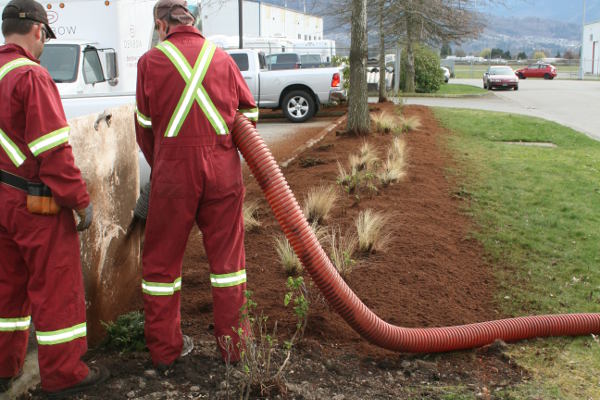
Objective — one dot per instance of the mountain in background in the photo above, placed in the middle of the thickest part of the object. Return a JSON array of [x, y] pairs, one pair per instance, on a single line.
[[561, 10], [519, 25]]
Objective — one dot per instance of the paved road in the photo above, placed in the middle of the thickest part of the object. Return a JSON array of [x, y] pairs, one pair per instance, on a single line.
[[571, 103]]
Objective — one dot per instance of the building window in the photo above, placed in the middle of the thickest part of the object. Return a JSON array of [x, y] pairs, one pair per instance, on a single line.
[[299, 36]]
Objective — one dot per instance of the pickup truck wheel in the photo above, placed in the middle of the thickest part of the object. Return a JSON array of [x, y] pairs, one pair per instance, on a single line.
[[298, 106]]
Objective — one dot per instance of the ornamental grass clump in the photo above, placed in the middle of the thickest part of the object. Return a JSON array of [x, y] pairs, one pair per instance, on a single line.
[[319, 202], [370, 229], [410, 124], [384, 123], [250, 213], [288, 259], [342, 248], [367, 157], [394, 168], [349, 180]]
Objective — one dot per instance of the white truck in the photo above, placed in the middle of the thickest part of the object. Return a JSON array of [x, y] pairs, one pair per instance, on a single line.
[[298, 92], [94, 58]]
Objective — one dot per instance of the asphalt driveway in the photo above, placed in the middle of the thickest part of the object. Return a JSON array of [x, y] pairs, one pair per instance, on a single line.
[[572, 103]]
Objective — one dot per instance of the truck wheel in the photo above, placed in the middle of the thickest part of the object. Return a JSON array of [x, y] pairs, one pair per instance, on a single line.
[[298, 106]]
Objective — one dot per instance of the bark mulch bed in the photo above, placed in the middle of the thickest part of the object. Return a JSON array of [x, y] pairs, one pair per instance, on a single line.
[[432, 274]]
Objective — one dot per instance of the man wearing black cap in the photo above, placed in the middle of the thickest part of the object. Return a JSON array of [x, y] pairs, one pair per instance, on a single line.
[[188, 93], [40, 269]]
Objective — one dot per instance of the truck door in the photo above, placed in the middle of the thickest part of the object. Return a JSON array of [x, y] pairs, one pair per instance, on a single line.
[[250, 75]]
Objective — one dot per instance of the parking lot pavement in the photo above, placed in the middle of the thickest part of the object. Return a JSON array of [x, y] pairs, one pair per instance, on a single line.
[[567, 102], [273, 132]]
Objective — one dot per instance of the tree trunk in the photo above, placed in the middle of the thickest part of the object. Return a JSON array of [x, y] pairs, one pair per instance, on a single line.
[[409, 74], [358, 108], [382, 81]]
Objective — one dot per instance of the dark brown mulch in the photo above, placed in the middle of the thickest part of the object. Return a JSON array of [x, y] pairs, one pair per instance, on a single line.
[[432, 274]]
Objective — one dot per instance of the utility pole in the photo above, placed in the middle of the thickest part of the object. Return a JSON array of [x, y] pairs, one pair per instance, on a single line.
[[241, 23], [581, 60]]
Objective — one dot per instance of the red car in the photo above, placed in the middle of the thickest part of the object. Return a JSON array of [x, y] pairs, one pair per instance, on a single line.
[[540, 70]]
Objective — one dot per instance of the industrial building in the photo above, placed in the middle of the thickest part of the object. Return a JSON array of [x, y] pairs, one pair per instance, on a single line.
[[266, 27]]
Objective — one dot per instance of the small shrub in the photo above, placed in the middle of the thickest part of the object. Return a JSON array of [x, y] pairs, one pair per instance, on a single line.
[[250, 212], [369, 226], [126, 334], [290, 262], [262, 359], [428, 74], [384, 123], [342, 248], [319, 202]]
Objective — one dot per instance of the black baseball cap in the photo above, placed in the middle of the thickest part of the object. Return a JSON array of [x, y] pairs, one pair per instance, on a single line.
[[30, 10]]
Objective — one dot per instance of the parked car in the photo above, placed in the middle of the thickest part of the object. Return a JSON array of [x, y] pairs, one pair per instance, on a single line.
[[279, 61], [539, 70], [446, 74], [500, 76]]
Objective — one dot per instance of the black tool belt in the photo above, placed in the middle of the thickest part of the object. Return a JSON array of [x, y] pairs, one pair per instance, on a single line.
[[13, 180]]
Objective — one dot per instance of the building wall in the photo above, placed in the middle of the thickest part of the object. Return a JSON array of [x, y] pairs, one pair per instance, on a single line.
[[220, 17], [591, 48]]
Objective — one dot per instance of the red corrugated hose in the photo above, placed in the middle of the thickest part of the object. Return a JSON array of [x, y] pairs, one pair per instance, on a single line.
[[351, 308]]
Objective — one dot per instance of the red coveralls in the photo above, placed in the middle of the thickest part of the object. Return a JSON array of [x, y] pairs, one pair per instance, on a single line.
[[40, 270], [183, 130]]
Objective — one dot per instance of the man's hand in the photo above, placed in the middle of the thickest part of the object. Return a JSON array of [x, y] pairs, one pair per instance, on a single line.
[[86, 215]]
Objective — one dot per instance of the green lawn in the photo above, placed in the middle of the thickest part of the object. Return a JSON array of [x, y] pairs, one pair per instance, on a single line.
[[537, 213], [451, 90]]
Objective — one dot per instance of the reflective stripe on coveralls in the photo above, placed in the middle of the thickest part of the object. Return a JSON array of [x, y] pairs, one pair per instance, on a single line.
[[161, 289], [62, 335], [11, 149], [15, 324], [228, 280], [145, 122], [251, 114], [193, 89], [49, 141]]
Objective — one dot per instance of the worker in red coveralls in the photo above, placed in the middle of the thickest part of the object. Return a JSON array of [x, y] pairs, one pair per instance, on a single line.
[[188, 92], [40, 269]]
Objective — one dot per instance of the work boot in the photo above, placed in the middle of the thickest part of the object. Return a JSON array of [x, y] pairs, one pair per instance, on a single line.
[[97, 375], [188, 346]]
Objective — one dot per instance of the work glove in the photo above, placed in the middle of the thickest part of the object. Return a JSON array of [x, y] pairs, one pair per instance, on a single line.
[[141, 206], [86, 215]]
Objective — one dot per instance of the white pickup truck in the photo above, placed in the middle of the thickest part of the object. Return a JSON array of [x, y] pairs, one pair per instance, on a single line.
[[298, 92]]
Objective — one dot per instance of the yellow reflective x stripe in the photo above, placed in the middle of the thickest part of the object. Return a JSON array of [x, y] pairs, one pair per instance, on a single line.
[[145, 122], [15, 324], [11, 149], [49, 141], [251, 114], [61, 336], [161, 289], [228, 280], [19, 62], [194, 89]]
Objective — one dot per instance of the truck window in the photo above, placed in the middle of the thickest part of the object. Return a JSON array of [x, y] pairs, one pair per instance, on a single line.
[[241, 60], [92, 67], [61, 60]]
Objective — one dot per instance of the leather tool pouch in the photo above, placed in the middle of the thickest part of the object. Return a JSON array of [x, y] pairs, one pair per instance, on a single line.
[[40, 200]]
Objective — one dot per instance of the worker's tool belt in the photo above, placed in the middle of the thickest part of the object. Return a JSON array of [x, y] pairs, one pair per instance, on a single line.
[[39, 196]]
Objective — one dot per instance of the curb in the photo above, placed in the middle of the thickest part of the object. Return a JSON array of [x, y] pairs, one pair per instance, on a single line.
[[314, 141]]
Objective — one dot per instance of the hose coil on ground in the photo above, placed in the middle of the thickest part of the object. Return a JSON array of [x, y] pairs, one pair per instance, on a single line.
[[345, 302]]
